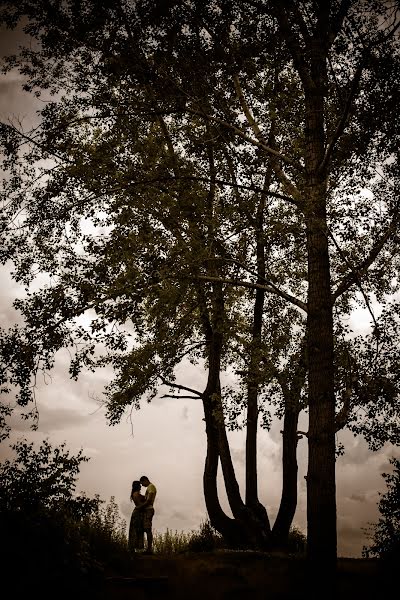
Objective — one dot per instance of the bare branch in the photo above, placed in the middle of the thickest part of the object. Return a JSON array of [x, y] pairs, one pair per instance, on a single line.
[[180, 397], [181, 387], [300, 434], [248, 284], [354, 276]]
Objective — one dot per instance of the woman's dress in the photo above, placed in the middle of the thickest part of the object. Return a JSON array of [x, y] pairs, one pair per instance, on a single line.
[[136, 530]]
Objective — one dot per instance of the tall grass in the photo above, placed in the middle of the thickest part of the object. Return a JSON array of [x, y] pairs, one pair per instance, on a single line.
[[204, 539]]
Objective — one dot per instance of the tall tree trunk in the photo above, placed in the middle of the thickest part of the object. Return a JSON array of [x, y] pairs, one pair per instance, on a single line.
[[321, 484], [310, 60], [321, 488], [252, 500]]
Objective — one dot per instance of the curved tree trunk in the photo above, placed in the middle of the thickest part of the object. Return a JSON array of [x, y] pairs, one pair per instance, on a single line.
[[213, 321], [253, 530], [288, 503], [227, 527], [234, 531], [245, 528]]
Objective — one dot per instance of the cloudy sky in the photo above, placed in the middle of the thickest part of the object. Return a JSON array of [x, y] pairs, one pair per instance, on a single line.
[[166, 439]]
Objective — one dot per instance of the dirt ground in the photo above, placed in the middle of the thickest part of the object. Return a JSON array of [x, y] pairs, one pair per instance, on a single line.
[[234, 575]]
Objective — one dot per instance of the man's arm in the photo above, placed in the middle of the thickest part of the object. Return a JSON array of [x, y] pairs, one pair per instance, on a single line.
[[149, 500]]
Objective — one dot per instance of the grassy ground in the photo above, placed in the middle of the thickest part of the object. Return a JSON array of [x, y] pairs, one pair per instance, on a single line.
[[222, 575]]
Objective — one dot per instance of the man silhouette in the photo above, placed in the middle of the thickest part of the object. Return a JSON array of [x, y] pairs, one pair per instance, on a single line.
[[148, 510]]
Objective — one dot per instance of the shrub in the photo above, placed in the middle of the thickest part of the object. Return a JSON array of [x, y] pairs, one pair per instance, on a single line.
[[206, 539], [297, 541], [54, 536], [105, 532], [385, 535]]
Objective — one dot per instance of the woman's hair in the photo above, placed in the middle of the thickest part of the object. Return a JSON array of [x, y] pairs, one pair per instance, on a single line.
[[136, 486]]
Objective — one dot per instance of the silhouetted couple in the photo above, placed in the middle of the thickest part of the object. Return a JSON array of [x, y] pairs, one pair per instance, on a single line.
[[142, 515]]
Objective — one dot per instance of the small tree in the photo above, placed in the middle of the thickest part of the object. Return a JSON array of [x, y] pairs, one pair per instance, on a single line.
[[42, 479], [42, 519], [385, 534]]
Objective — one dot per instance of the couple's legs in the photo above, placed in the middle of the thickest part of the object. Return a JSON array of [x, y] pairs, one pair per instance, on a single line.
[[149, 538], [148, 528]]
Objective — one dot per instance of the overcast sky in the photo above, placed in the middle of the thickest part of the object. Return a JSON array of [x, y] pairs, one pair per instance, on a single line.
[[166, 440]]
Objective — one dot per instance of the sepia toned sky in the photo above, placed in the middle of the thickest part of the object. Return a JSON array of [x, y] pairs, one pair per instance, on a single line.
[[166, 440]]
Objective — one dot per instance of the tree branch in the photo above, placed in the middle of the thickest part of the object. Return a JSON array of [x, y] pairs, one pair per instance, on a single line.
[[342, 416], [342, 121], [180, 387], [241, 133], [251, 188], [247, 284], [293, 45], [288, 185], [337, 20], [357, 272]]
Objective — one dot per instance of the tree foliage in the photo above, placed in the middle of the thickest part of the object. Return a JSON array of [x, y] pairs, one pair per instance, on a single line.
[[42, 479]]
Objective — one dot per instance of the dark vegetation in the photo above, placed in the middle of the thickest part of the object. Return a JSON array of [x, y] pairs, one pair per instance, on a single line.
[[55, 541]]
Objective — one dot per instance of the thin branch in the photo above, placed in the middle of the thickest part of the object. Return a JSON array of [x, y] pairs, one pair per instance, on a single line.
[[357, 272], [288, 185], [241, 133], [355, 276], [249, 115], [181, 387], [301, 433], [343, 120], [180, 397], [32, 140], [251, 188], [248, 284], [342, 416]]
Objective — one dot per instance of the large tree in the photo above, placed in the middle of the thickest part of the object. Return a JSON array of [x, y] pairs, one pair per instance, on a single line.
[[172, 126]]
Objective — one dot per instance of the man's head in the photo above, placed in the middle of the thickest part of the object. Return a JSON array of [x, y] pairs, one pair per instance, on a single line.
[[144, 480]]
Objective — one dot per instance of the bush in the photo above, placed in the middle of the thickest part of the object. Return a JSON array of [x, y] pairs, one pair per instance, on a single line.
[[297, 542], [56, 538], [203, 540], [206, 539], [105, 533], [385, 535]]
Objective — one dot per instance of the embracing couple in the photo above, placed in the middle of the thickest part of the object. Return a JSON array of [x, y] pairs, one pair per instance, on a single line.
[[142, 516]]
